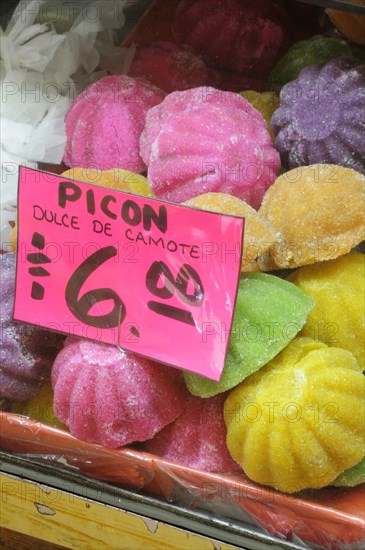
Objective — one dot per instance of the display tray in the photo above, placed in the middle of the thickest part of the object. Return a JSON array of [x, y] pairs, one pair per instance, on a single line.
[[331, 518]]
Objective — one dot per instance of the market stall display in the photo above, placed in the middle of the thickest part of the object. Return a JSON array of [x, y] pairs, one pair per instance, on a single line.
[[194, 142]]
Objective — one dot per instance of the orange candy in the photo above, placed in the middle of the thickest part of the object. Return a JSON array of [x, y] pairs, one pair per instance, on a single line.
[[317, 212], [258, 235]]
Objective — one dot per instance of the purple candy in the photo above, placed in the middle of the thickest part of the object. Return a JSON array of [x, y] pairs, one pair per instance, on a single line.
[[321, 117], [27, 352]]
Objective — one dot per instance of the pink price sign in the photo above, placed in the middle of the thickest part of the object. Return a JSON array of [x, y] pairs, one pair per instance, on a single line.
[[153, 278]]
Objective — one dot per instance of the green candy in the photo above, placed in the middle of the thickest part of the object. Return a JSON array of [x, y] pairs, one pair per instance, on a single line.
[[351, 477], [269, 313], [318, 49]]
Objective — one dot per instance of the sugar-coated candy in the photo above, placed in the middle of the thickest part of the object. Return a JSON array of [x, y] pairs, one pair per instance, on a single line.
[[104, 123], [40, 407], [351, 477], [203, 140], [113, 398], [266, 103], [321, 116], [27, 352], [317, 212], [317, 49], [269, 313], [197, 438], [258, 236], [338, 315], [171, 67], [300, 421], [235, 35], [117, 178]]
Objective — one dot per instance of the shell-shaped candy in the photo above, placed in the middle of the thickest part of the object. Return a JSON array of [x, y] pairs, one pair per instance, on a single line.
[[197, 438], [113, 398], [269, 313], [104, 123], [338, 315], [317, 212], [26, 352], [317, 49], [322, 115], [258, 236], [206, 140], [171, 67], [300, 421], [235, 35]]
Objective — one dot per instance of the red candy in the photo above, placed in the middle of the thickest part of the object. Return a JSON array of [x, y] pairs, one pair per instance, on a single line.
[[197, 438], [235, 35], [171, 67]]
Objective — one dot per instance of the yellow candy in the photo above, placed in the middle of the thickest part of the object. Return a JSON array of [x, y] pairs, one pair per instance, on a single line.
[[119, 179], [40, 407], [299, 421], [337, 288], [258, 236], [264, 102]]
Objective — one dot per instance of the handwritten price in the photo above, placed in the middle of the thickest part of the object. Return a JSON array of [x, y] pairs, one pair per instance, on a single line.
[[185, 278], [80, 306]]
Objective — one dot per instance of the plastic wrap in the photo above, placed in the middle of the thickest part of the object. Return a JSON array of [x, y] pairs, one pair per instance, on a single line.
[[332, 518]]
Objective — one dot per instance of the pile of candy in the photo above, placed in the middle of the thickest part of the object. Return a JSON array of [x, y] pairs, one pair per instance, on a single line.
[[289, 409]]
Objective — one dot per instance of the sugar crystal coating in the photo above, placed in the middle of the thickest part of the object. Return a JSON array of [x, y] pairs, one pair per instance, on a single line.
[[300, 421], [171, 67], [197, 438], [317, 49], [317, 212], [321, 116], [351, 477], [204, 140], [27, 351], [338, 315], [235, 35], [113, 398], [104, 123], [266, 103], [258, 235], [269, 313]]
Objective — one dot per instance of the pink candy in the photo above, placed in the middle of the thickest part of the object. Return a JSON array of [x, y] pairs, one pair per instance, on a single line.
[[104, 123], [205, 140], [171, 67], [197, 438], [112, 398]]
